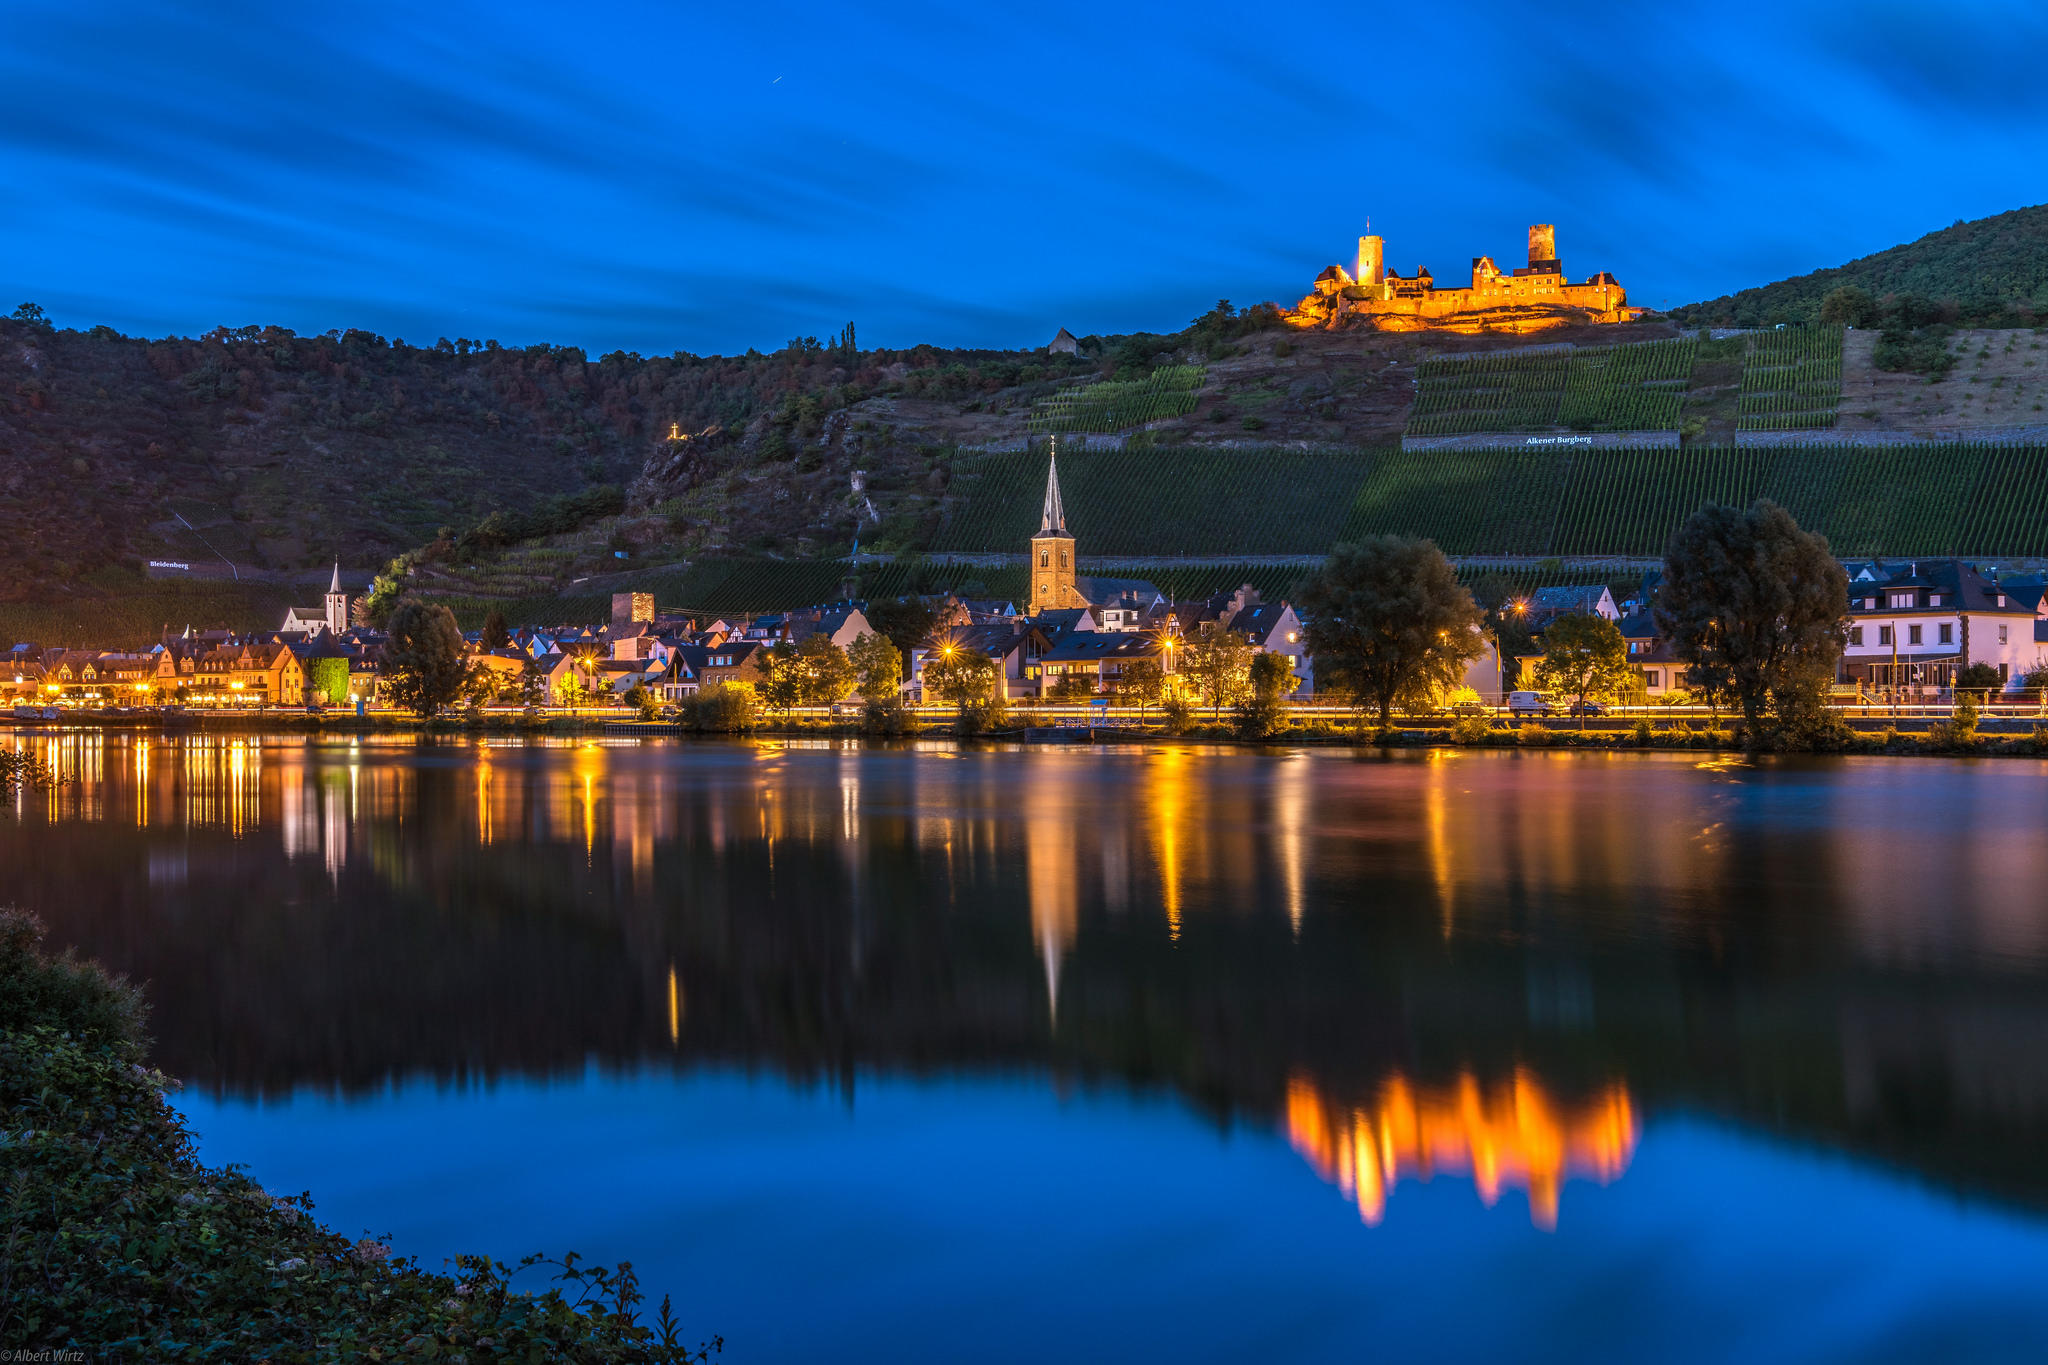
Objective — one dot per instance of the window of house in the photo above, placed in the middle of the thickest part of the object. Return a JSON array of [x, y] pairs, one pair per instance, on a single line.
[[1870, 604], [1948, 634], [1902, 599], [1884, 635], [1912, 635], [2001, 634], [1934, 599], [1856, 636]]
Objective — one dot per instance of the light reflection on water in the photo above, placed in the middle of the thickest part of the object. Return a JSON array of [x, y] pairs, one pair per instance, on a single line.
[[1438, 976]]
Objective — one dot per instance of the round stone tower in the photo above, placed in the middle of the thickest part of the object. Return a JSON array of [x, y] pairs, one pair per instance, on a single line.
[[1372, 260], [1542, 244]]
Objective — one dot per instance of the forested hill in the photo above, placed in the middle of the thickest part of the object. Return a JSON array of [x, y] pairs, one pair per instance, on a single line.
[[1984, 271], [279, 453]]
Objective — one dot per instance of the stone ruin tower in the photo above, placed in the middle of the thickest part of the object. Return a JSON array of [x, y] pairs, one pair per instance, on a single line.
[[1372, 260], [1542, 245]]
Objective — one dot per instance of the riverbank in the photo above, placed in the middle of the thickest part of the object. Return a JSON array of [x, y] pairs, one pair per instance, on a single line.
[[121, 1245], [1994, 736]]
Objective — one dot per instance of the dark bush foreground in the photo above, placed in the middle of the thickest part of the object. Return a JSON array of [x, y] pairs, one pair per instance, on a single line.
[[120, 1244]]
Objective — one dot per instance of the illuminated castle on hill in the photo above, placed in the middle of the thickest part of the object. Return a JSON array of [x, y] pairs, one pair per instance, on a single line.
[[1527, 299]]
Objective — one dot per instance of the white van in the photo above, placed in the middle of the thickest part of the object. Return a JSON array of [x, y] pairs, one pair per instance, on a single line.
[[1530, 704]]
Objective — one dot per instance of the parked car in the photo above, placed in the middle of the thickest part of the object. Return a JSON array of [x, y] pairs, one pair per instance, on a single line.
[[1587, 708], [1471, 708], [1530, 704]]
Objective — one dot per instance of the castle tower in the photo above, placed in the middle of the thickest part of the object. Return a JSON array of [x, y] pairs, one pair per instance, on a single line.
[[337, 603], [1372, 260], [1542, 244], [1052, 551]]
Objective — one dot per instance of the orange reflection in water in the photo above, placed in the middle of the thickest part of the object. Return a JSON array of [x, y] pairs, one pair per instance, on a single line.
[[1511, 1133]]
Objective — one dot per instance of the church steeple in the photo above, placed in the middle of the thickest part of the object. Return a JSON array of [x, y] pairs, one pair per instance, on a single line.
[[1055, 517], [1052, 552], [337, 602]]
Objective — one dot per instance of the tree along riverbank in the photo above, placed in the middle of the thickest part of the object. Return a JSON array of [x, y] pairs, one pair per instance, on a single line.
[[122, 1245]]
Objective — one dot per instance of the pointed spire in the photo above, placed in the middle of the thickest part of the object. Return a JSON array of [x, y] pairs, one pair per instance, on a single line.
[[335, 586], [1055, 518]]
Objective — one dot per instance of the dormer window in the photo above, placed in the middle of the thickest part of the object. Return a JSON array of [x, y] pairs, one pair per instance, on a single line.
[[1934, 599], [1870, 604], [1901, 599], [2001, 599]]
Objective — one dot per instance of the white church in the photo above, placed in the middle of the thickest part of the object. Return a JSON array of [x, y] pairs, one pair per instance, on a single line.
[[310, 621]]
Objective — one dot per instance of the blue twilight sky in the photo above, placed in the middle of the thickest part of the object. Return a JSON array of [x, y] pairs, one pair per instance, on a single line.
[[713, 177]]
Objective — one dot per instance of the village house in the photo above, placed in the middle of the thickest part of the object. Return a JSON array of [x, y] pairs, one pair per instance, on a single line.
[[1016, 648], [1099, 657], [1650, 655], [681, 676], [253, 674], [1911, 627], [1578, 599], [735, 661]]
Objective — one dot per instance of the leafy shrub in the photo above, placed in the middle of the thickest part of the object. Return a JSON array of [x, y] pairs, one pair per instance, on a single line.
[[888, 716], [981, 716], [1261, 717], [724, 708], [1472, 730], [1914, 353], [1533, 736]]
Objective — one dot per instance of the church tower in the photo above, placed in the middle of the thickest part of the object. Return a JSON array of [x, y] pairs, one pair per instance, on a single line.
[[337, 603], [1052, 551]]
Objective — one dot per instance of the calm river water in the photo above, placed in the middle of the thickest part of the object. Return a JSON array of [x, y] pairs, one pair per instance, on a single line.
[[1075, 1054]]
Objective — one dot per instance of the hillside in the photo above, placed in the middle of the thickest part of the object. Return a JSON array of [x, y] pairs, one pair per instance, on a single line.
[[1993, 270], [278, 453], [532, 477]]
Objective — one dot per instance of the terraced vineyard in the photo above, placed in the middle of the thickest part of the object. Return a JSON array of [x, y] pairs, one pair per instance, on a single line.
[[1543, 503], [1892, 500], [1791, 379], [1627, 388], [1160, 501], [1517, 390], [1118, 405], [136, 619], [1632, 387]]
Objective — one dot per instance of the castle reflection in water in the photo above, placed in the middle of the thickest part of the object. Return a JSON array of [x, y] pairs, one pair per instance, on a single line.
[[1486, 965], [1511, 1134]]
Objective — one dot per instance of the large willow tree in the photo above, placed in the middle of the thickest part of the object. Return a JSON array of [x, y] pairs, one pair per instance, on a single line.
[[1753, 605], [1389, 623]]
